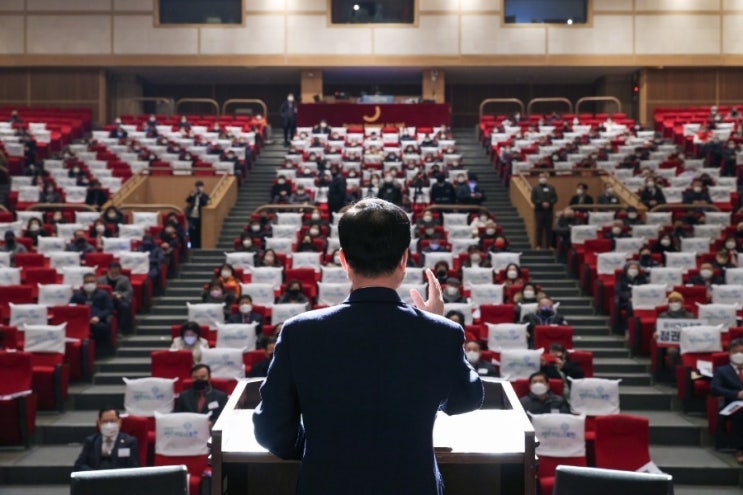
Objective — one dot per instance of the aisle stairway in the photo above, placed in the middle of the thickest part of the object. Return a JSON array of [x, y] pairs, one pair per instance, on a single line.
[[680, 444]]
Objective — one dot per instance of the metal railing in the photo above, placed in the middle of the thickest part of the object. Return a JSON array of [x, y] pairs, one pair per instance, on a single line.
[[534, 101], [208, 101], [151, 207], [681, 206], [170, 102], [61, 206], [236, 101], [598, 98], [278, 207], [488, 101]]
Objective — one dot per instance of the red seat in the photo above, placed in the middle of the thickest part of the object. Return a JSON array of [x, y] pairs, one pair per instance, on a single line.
[[308, 278], [18, 406], [25, 260], [252, 357], [101, 260], [50, 380], [692, 293], [196, 465], [693, 392], [622, 442], [79, 354], [9, 337], [172, 364], [497, 313], [544, 335], [16, 294], [34, 276], [584, 359], [137, 426], [547, 467]]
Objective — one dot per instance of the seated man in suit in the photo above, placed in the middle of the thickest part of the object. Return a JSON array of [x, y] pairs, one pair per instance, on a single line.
[[473, 352], [545, 315], [201, 397], [109, 448], [122, 291], [353, 417], [261, 368], [80, 244], [246, 313], [101, 309], [727, 383], [540, 400], [698, 195]]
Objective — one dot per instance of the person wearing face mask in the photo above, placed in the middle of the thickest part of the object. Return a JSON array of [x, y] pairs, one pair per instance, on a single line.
[[476, 259], [617, 231], [468, 192], [676, 307], [201, 397], [260, 368], [288, 112], [480, 221], [280, 188], [316, 219], [557, 365], [512, 275], [190, 339], [452, 293], [245, 314], [697, 195], [664, 245], [307, 245], [157, 257], [608, 197], [528, 295], [733, 246], [229, 281], [543, 197], [109, 448], [321, 128], [581, 196], [473, 353], [301, 196], [293, 294], [498, 245], [442, 191], [631, 276], [540, 400], [707, 277], [646, 259], [441, 271], [50, 195], [247, 244], [390, 190], [729, 159], [727, 382], [337, 190], [215, 292], [113, 217], [425, 221], [194, 203], [723, 260], [122, 293], [652, 195], [34, 230], [544, 315], [80, 244], [101, 311]]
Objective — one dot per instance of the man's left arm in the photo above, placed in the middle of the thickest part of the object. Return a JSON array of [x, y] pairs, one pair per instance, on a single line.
[[277, 418], [466, 393]]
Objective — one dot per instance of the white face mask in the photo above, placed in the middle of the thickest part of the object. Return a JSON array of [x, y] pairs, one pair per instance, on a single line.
[[337, 260], [616, 230], [452, 291], [100, 228], [730, 245], [697, 189], [631, 215], [474, 356], [542, 180], [706, 274], [247, 243], [538, 388], [632, 272], [665, 242], [512, 274], [314, 232], [609, 190], [189, 339], [226, 274], [315, 216], [674, 306], [110, 430], [246, 308], [255, 228], [579, 192], [737, 358], [428, 218], [529, 294], [475, 258], [89, 287]]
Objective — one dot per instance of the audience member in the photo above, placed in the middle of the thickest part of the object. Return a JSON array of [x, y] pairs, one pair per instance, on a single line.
[[543, 197], [528, 295], [246, 314], [557, 365], [676, 307], [467, 191], [545, 315], [229, 279], [50, 194], [269, 259], [451, 293], [540, 399], [34, 230], [260, 368], [101, 309], [194, 203], [608, 197], [11, 245], [109, 448], [727, 382], [123, 292], [631, 276], [513, 275], [581, 196], [157, 258], [293, 294], [80, 244], [698, 195], [473, 352], [201, 397], [652, 195], [190, 339], [442, 192]]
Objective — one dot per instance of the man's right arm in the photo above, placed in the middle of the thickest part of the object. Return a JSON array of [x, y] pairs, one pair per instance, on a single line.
[[720, 388]]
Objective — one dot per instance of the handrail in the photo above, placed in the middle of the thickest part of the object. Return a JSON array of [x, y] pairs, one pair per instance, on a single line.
[[457, 208], [521, 176], [151, 206], [63, 206], [221, 184], [3, 208], [501, 100], [209, 101], [598, 98], [681, 206], [547, 100], [157, 99], [275, 207], [233, 101], [597, 207]]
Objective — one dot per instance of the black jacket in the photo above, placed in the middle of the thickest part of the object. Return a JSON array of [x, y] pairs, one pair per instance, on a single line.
[[124, 454], [214, 403]]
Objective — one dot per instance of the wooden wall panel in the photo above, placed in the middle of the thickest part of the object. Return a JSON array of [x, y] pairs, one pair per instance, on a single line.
[[731, 86], [681, 85], [13, 86]]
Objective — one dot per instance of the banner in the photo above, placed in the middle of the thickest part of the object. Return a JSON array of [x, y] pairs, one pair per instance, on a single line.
[[44, 338], [262, 294], [10, 276], [282, 312], [246, 261], [501, 260], [519, 363], [506, 336], [138, 263], [648, 296], [719, 314], [224, 363], [608, 263], [700, 338], [560, 435], [147, 396], [267, 275], [594, 396], [28, 314], [206, 313], [332, 294], [476, 276], [669, 330], [181, 434], [486, 294], [237, 336]]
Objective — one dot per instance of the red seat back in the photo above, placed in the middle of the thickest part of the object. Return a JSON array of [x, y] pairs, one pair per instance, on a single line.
[[9, 337], [171, 364], [584, 359], [497, 313], [37, 275], [77, 318], [544, 335], [16, 370], [136, 426], [23, 260], [622, 442], [101, 260]]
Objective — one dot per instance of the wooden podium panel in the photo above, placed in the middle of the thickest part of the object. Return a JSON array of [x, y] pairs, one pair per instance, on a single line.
[[489, 451]]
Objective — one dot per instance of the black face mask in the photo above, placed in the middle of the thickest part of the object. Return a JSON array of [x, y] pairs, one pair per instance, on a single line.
[[294, 292], [200, 385]]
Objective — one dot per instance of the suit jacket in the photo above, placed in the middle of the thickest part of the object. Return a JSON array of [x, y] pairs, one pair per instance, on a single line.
[[122, 285], [543, 193], [90, 457], [726, 383], [214, 403], [101, 304], [253, 317], [367, 413]]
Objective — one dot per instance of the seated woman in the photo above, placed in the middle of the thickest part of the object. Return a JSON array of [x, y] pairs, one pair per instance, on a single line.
[[293, 294], [113, 217], [269, 258], [513, 275], [528, 295], [631, 276], [441, 271], [215, 292], [190, 340], [334, 259], [228, 279], [34, 230], [476, 259], [307, 245]]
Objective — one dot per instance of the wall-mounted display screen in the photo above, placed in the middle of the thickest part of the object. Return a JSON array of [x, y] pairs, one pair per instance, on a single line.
[[200, 11], [373, 12], [545, 11]]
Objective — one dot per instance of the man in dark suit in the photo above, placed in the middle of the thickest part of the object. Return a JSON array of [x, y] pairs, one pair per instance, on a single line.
[[368, 412], [288, 113], [201, 397], [101, 308], [727, 382], [337, 190], [195, 202], [246, 313], [261, 368], [109, 448], [543, 197], [122, 291]]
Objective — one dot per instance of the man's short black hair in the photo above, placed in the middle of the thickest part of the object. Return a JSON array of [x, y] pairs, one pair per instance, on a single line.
[[197, 367], [107, 408], [244, 297], [538, 373], [374, 235], [735, 343], [114, 264]]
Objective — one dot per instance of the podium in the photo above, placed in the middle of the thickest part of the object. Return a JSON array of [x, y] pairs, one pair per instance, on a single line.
[[489, 451]]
